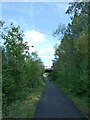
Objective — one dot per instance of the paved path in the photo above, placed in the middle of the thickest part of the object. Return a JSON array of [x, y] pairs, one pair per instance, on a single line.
[[53, 104]]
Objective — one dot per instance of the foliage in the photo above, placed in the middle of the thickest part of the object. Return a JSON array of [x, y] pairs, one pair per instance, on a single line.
[[71, 65], [21, 72], [26, 107]]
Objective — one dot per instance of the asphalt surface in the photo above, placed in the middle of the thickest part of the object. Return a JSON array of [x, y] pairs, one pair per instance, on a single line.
[[54, 104]]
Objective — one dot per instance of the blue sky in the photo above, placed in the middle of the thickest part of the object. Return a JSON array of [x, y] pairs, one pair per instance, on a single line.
[[38, 20]]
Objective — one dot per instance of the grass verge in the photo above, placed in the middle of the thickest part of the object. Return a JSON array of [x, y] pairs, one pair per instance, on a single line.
[[81, 102], [26, 108]]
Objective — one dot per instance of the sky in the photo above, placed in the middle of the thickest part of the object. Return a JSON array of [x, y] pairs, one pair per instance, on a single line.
[[38, 20]]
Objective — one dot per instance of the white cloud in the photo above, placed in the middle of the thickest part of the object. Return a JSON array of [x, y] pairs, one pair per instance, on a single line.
[[50, 50], [41, 52], [47, 60], [42, 45], [34, 37], [47, 56]]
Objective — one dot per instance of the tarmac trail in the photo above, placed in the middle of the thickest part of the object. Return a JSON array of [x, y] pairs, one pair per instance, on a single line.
[[54, 104]]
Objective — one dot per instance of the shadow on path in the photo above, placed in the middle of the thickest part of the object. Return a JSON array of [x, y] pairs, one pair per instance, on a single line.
[[54, 104]]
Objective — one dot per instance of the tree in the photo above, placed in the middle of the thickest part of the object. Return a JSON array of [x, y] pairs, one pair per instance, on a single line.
[[71, 67], [21, 71]]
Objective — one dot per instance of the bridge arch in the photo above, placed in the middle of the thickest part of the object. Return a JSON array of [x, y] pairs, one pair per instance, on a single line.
[[48, 70]]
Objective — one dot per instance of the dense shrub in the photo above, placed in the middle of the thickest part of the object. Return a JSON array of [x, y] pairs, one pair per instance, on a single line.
[[21, 72]]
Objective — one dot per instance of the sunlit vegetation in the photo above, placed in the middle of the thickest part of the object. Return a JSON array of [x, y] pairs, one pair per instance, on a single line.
[[71, 56], [22, 71], [25, 108]]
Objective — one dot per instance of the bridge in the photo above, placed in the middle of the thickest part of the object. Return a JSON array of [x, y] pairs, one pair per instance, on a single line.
[[48, 69]]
